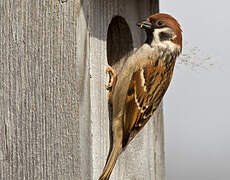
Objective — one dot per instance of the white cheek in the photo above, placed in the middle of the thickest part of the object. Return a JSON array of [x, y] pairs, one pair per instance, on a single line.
[[156, 33], [169, 45], [163, 45]]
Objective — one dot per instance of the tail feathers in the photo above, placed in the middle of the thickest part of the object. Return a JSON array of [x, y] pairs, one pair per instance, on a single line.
[[111, 161]]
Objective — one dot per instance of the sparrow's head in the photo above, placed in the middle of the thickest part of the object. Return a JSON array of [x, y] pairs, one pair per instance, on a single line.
[[163, 31]]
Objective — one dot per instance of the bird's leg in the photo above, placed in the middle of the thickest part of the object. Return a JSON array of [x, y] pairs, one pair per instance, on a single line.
[[112, 78]]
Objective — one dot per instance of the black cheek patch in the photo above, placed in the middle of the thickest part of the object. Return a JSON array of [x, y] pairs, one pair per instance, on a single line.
[[165, 36]]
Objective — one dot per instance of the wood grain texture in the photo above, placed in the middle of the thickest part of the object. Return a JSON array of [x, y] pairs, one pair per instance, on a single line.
[[53, 105]]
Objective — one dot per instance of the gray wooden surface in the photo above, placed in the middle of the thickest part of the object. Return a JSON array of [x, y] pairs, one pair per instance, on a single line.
[[53, 104]]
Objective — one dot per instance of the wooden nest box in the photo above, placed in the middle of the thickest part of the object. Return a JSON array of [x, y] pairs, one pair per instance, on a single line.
[[54, 110]]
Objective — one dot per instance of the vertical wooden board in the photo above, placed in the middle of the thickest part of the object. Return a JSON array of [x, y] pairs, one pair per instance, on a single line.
[[85, 146], [144, 157], [40, 74]]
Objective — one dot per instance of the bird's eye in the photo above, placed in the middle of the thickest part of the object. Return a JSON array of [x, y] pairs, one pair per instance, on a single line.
[[159, 23]]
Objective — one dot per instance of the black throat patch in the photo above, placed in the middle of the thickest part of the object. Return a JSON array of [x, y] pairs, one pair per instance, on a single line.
[[149, 37]]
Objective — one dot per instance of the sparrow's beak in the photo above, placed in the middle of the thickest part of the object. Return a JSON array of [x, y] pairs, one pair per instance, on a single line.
[[145, 25]]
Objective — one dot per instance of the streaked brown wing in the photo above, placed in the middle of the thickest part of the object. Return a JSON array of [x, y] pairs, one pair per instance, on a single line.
[[146, 90]]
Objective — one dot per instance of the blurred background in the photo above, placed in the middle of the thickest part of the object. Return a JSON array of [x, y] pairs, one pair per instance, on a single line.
[[196, 106]]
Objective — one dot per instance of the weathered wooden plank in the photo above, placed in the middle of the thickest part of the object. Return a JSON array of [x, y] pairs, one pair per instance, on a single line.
[[54, 116], [140, 160], [39, 90]]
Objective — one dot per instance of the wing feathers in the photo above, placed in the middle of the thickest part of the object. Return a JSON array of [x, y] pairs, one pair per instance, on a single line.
[[146, 90]]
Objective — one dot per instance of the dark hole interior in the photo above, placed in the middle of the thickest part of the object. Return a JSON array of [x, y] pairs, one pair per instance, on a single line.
[[119, 40]]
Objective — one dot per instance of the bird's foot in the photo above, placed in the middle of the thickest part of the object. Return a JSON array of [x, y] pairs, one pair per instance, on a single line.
[[112, 78]]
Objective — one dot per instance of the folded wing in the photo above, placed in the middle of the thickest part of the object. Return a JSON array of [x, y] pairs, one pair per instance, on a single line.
[[146, 90]]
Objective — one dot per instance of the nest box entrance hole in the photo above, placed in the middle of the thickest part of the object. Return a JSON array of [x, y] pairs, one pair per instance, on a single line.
[[119, 40], [119, 45]]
